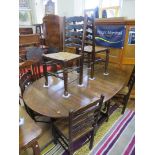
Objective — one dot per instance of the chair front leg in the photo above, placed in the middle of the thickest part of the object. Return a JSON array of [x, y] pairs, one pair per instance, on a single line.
[[125, 101], [70, 149], [92, 139], [81, 71], [36, 148], [92, 65], [107, 112], [54, 134], [89, 60], [65, 75], [106, 62]]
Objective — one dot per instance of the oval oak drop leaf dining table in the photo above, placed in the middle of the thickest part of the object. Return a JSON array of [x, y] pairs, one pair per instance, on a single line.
[[49, 101]]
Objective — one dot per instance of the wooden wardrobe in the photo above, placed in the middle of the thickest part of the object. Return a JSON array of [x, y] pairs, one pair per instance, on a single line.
[[53, 31]]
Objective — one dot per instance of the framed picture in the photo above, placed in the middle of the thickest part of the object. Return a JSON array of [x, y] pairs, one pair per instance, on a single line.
[[25, 17], [24, 4], [131, 39]]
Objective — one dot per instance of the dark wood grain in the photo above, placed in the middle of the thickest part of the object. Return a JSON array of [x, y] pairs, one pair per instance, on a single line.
[[49, 101], [29, 39], [28, 132], [25, 30], [52, 29]]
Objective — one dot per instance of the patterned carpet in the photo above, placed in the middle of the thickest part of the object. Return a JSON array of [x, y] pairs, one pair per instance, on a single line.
[[102, 133], [120, 139]]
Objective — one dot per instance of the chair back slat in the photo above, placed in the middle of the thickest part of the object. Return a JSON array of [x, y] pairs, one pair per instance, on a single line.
[[89, 106], [84, 119], [74, 26], [74, 19], [73, 40], [73, 45], [89, 113], [74, 34], [85, 127]]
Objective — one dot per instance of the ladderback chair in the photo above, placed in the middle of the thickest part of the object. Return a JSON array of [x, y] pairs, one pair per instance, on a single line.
[[80, 123], [29, 71], [123, 95], [72, 39], [24, 81], [90, 49]]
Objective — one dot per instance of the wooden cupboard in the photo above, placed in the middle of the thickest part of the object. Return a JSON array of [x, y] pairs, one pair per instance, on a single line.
[[125, 55], [52, 29]]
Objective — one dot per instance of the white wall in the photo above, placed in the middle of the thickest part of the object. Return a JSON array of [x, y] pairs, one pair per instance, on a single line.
[[128, 9], [76, 7], [65, 7], [38, 10]]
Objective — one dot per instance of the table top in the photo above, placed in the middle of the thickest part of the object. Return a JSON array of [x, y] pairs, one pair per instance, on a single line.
[[49, 101], [29, 131]]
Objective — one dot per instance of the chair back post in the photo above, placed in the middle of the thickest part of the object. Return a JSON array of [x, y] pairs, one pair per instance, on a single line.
[[99, 109], [84, 34], [93, 36], [131, 80], [64, 32]]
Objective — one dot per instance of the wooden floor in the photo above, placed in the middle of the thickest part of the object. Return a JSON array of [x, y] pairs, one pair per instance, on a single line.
[[46, 136]]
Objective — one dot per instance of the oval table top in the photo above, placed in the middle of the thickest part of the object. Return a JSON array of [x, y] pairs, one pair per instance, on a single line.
[[49, 101]]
